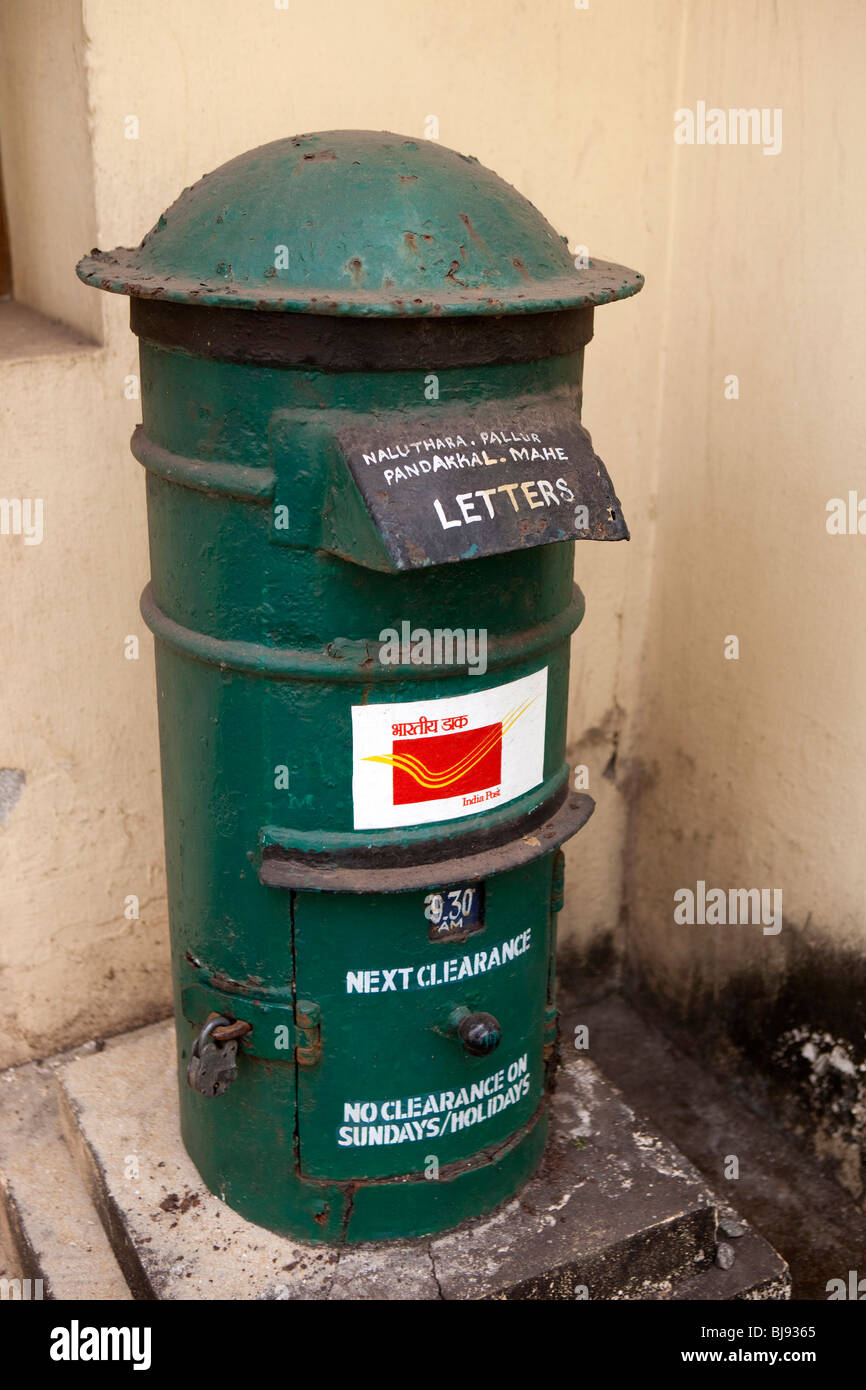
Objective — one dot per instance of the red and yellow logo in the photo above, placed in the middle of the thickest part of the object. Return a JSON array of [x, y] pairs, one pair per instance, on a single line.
[[440, 765]]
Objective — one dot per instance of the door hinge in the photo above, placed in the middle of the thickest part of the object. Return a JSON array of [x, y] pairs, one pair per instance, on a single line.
[[557, 890], [551, 1053]]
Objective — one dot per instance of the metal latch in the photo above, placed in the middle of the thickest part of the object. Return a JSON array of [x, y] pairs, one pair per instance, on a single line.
[[308, 1022]]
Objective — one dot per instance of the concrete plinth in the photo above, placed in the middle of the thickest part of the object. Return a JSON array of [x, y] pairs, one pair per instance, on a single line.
[[614, 1212]]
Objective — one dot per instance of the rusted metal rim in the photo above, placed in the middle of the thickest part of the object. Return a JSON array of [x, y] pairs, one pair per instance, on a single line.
[[419, 844], [348, 661], [358, 344], [520, 843], [601, 282]]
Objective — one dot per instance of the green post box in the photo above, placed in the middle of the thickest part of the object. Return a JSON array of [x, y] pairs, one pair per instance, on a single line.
[[361, 361]]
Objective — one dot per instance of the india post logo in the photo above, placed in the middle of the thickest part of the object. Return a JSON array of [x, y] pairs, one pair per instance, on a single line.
[[427, 769], [430, 760]]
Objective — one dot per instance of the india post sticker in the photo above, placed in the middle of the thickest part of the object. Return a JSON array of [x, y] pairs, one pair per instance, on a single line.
[[436, 760]]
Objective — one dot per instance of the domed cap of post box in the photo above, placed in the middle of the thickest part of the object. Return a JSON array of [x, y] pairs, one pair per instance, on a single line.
[[357, 222]]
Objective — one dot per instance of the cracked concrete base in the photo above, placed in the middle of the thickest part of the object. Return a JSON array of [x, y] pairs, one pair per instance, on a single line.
[[614, 1212], [795, 1203]]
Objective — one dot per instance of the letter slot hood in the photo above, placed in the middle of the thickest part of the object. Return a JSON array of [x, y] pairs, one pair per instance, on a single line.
[[457, 484]]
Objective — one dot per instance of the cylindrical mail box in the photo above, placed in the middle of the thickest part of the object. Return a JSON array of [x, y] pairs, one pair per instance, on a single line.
[[361, 363]]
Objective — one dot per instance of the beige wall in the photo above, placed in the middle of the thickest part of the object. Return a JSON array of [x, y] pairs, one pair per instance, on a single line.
[[47, 156], [743, 773], [752, 770]]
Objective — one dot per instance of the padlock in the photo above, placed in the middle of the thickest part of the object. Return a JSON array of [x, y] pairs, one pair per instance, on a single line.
[[212, 1066]]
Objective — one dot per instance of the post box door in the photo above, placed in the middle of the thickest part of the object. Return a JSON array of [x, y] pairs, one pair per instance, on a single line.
[[391, 1086]]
